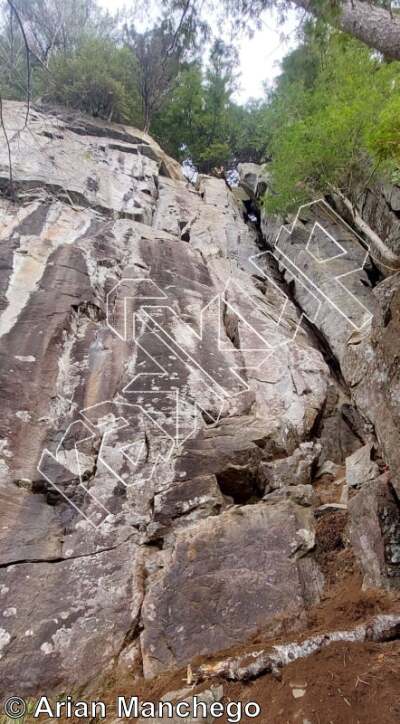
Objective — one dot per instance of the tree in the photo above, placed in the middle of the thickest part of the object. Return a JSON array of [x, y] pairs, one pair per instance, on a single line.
[[158, 62], [33, 32], [54, 25], [162, 51], [384, 137], [324, 135], [196, 120], [13, 60], [249, 133], [374, 23], [97, 78], [201, 122], [180, 126]]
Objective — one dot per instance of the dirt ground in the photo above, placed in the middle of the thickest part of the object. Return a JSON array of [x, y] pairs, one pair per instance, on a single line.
[[343, 684]]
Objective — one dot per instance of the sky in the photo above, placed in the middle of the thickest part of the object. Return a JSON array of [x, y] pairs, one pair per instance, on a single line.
[[259, 56]]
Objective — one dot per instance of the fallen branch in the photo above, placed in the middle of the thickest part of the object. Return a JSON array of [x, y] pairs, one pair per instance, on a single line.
[[256, 663], [375, 240]]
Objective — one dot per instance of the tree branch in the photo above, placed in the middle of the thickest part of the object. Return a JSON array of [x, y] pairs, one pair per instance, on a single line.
[[179, 28], [11, 186], [373, 24], [28, 58]]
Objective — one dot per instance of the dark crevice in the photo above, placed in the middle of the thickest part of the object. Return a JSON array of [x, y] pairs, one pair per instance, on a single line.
[[184, 228], [316, 429], [156, 543], [241, 484], [209, 416], [373, 273], [67, 196], [88, 129], [147, 447], [162, 171], [230, 322], [90, 310], [329, 356], [252, 214], [356, 423]]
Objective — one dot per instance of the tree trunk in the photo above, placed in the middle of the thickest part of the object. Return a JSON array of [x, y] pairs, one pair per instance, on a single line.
[[386, 256], [375, 26], [146, 121]]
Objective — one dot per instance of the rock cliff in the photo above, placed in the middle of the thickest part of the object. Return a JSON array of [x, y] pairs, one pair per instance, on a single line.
[[186, 410]]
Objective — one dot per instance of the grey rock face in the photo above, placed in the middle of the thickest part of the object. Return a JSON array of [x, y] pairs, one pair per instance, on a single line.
[[328, 267], [360, 468], [379, 204], [68, 618], [146, 374], [155, 377], [244, 560], [357, 319], [253, 178], [293, 470], [371, 367], [375, 533]]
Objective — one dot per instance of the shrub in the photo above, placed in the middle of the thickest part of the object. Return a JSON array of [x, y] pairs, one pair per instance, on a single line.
[[97, 78]]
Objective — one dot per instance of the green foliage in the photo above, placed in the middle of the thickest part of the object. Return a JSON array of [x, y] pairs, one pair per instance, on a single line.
[[13, 63], [200, 121], [75, 60], [98, 78], [179, 126], [384, 138], [13, 72], [332, 121], [248, 131]]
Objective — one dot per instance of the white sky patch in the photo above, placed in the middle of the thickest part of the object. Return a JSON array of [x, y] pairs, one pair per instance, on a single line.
[[259, 55]]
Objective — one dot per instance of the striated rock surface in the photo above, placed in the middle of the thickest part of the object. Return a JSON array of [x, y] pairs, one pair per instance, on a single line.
[[248, 559], [165, 405]]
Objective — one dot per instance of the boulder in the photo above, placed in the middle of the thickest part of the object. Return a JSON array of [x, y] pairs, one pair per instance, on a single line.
[[375, 533], [294, 470], [253, 178], [360, 469], [300, 494], [224, 580]]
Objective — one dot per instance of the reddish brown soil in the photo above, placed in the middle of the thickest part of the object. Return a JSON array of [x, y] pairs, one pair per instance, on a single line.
[[344, 684]]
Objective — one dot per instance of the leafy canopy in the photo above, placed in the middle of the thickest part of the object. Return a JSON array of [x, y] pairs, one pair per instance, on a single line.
[[332, 120]]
